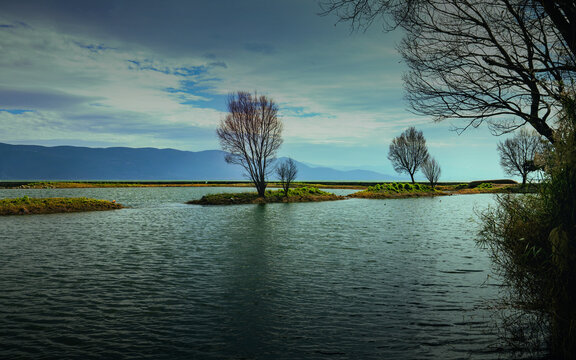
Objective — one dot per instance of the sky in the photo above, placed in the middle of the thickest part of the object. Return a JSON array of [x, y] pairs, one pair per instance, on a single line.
[[143, 73]]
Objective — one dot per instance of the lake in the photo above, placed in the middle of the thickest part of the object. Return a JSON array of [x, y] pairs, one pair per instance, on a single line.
[[352, 279]]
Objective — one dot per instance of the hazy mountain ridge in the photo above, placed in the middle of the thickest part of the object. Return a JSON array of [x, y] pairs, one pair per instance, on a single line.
[[33, 162]]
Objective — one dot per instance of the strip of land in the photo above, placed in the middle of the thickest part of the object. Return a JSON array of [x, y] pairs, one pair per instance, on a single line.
[[26, 205], [378, 191], [407, 190], [302, 194]]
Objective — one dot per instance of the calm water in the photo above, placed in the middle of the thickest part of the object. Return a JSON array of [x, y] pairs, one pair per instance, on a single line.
[[353, 279]]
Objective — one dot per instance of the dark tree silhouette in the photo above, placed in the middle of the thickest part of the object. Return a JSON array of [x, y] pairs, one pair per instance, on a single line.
[[408, 152], [251, 134], [431, 169], [506, 62], [517, 154], [286, 173]]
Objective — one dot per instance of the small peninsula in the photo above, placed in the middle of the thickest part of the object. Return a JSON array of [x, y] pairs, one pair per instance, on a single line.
[[395, 190], [301, 194], [27, 206]]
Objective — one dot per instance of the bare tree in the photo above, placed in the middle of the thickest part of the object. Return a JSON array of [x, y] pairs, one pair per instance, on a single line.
[[408, 152], [517, 154], [506, 62], [431, 169], [251, 134], [287, 172]]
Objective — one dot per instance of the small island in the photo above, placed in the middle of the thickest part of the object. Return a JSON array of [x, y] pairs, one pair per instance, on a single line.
[[395, 190], [301, 194], [27, 206]]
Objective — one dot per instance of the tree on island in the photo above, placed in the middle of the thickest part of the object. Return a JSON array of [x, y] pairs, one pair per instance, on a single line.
[[251, 133], [431, 169], [286, 173], [408, 152], [517, 154]]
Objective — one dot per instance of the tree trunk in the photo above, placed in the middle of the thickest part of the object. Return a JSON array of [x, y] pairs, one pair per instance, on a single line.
[[412, 177], [261, 188], [524, 180]]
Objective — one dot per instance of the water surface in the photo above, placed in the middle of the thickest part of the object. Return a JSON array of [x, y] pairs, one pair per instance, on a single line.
[[352, 279]]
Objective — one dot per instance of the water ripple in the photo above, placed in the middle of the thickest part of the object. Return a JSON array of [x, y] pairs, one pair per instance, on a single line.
[[362, 279]]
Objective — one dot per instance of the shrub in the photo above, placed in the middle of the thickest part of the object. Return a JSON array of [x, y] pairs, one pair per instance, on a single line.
[[399, 187], [484, 186], [531, 239]]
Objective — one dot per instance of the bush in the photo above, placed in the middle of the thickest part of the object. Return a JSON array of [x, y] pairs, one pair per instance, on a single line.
[[484, 186], [532, 241], [399, 187]]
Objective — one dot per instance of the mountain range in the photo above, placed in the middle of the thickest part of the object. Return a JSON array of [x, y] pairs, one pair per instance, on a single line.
[[32, 162]]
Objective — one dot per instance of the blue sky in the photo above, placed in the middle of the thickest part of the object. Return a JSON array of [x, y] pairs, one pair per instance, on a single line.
[[157, 74]]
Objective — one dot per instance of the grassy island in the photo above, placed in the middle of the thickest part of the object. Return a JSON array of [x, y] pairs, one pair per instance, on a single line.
[[26, 205], [302, 194], [396, 190], [407, 190]]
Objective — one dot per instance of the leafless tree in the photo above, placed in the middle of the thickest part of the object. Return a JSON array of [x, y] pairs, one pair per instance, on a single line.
[[251, 133], [431, 169], [287, 172], [506, 62], [517, 153], [408, 152]]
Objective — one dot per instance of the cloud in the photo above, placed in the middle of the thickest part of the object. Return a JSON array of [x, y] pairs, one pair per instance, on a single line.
[[144, 73], [40, 100], [91, 81], [79, 86]]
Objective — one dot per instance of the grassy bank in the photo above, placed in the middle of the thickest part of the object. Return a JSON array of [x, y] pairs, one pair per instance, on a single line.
[[302, 194], [396, 190], [26, 205], [477, 187], [406, 190]]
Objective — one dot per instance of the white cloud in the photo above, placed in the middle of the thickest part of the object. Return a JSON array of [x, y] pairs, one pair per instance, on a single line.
[[91, 92], [160, 81]]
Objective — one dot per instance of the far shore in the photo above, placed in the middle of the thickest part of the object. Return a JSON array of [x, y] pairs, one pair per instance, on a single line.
[[299, 192], [352, 185]]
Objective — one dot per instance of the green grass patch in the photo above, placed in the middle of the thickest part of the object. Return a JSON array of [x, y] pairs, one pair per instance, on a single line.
[[301, 194], [27, 205], [396, 189], [484, 186]]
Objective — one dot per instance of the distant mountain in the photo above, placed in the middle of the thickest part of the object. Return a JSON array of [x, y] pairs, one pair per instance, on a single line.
[[30, 162]]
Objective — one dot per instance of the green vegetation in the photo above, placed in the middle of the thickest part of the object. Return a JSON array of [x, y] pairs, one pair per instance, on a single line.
[[402, 190], [484, 186], [396, 190], [461, 186], [487, 186], [301, 194], [532, 240], [26, 205], [399, 187]]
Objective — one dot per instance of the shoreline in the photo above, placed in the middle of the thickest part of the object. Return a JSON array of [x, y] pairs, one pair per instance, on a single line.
[[352, 185], [302, 192], [35, 206]]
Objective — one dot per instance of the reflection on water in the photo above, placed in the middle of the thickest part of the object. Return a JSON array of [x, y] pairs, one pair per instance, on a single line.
[[353, 279]]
